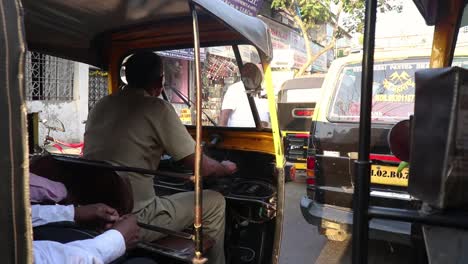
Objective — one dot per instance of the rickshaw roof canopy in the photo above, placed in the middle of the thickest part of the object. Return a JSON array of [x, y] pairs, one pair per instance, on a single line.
[[428, 9], [83, 30]]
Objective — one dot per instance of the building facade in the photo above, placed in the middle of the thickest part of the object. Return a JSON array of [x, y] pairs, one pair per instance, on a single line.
[[57, 89]]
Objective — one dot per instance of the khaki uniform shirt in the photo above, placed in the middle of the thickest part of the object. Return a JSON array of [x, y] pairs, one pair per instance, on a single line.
[[131, 128]]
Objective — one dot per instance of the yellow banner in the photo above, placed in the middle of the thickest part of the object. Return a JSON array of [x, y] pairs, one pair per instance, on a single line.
[[185, 116]]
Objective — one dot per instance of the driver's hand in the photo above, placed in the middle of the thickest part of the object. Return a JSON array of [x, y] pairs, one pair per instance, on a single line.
[[99, 215], [230, 166]]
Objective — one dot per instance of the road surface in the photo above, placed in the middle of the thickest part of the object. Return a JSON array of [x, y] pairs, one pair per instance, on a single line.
[[302, 244]]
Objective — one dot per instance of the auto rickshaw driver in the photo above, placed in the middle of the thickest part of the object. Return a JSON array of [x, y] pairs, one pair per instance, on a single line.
[[132, 128]]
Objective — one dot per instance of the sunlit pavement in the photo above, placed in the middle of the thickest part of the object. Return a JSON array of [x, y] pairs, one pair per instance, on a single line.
[[303, 245]]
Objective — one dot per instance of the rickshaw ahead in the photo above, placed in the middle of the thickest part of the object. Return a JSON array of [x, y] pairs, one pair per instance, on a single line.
[[297, 101]]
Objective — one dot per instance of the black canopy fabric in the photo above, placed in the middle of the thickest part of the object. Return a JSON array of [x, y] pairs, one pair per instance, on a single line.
[[428, 9], [80, 29]]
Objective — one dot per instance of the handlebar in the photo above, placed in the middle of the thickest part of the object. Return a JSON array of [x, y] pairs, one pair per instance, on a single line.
[[53, 128]]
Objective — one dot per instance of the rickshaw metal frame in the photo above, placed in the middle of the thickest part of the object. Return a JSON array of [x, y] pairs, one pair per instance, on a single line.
[[198, 221], [444, 40], [15, 219]]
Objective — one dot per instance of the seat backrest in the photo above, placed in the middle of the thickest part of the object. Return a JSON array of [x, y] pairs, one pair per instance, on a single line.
[[87, 184]]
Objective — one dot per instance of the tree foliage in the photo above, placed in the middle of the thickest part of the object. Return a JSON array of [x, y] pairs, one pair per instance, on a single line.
[[312, 12], [347, 18]]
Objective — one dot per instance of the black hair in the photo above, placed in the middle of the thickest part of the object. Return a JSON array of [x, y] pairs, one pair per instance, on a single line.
[[142, 69]]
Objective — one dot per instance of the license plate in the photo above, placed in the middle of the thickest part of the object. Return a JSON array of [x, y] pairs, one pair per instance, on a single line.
[[388, 175]]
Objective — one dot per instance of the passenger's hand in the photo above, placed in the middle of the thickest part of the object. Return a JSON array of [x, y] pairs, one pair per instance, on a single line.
[[230, 166], [128, 227], [99, 215]]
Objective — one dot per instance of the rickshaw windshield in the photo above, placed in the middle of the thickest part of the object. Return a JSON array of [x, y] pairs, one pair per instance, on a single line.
[[221, 84]]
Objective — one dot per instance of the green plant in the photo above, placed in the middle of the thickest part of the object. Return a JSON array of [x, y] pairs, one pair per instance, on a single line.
[[347, 18]]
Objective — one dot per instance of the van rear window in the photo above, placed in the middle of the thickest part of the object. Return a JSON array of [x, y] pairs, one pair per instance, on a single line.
[[392, 93], [301, 95]]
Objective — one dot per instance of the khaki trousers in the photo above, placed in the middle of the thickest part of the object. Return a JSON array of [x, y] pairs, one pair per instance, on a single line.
[[176, 212]]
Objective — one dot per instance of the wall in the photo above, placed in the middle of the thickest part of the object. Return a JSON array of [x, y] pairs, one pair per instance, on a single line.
[[70, 113]]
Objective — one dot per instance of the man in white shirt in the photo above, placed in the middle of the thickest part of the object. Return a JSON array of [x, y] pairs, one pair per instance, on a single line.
[[235, 110], [101, 249]]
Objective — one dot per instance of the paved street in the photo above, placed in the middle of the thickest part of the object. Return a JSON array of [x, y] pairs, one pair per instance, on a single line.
[[303, 245]]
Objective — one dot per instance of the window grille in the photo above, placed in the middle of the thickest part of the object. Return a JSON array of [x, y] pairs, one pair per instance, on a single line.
[[48, 78], [98, 87]]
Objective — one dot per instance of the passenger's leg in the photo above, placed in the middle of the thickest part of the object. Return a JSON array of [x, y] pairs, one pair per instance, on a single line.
[[176, 212]]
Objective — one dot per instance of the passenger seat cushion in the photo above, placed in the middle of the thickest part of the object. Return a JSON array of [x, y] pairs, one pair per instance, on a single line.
[[87, 184]]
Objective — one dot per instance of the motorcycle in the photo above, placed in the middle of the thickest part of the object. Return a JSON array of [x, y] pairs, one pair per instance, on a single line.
[[55, 146]]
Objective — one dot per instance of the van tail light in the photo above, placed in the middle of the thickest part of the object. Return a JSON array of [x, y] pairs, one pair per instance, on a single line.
[[310, 180], [303, 112], [299, 135], [292, 173], [381, 157]]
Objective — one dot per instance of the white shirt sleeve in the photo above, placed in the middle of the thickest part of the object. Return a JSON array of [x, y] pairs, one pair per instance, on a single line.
[[44, 214], [262, 107], [233, 95], [102, 249]]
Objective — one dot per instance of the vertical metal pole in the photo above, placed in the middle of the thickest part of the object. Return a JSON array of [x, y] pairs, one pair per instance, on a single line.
[[15, 216], [238, 56], [362, 186], [446, 32], [197, 224], [280, 162]]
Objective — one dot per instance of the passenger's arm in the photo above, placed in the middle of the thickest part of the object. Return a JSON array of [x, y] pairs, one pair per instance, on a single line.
[[96, 214], [104, 248], [224, 117], [44, 214], [211, 167]]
